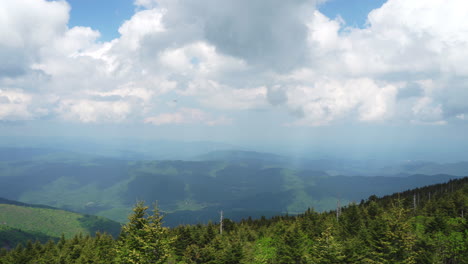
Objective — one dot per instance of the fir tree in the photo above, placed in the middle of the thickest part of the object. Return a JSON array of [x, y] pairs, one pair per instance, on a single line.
[[143, 239]]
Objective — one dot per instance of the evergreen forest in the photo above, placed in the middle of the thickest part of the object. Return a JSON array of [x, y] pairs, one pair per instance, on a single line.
[[423, 225]]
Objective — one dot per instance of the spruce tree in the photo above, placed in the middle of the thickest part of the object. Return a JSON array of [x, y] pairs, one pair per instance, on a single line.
[[143, 239], [327, 248]]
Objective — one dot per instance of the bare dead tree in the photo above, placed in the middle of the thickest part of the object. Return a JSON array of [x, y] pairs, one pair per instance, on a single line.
[[221, 223]]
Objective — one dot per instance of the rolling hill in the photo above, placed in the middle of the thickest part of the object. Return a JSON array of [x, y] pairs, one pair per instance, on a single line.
[[239, 183], [20, 222]]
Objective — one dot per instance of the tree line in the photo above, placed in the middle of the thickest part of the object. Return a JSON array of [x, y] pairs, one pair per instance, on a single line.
[[424, 225]]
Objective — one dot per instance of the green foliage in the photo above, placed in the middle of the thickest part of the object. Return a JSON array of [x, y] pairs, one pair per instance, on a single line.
[[10, 237], [291, 244], [393, 237], [21, 222], [264, 251], [380, 230], [143, 239], [327, 248]]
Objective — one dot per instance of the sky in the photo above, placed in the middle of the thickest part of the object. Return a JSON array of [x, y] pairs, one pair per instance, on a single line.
[[336, 75]]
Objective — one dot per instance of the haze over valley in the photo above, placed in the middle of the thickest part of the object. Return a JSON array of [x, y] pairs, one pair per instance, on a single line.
[[194, 189]]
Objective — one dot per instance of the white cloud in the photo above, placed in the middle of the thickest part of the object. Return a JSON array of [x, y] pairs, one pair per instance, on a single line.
[[142, 24], [275, 39], [420, 42], [27, 26], [199, 59], [88, 111], [327, 100], [14, 105], [427, 111], [19, 17], [142, 94], [323, 33], [402, 37], [76, 40], [187, 116], [219, 96], [410, 64]]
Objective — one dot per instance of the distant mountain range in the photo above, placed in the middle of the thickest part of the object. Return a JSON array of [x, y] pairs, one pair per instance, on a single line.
[[21, 148], [241, 183], [340, 166]]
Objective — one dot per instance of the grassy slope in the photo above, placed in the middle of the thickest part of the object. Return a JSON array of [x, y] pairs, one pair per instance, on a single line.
[[52, 222]]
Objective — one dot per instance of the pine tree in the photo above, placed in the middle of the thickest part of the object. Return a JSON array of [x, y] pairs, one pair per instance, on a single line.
[[328, 249], [102, 245], [17, 255], [184, 239], [3, 252], [291, 245], [50, 253], [350, 221], [196, 255], [393, 238], [143, 239], [232, 253]]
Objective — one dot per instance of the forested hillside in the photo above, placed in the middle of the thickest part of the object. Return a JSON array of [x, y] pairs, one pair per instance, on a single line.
[[424, 225], [20, 222]]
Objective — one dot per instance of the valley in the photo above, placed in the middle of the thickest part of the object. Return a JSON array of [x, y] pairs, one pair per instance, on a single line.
[[240, 183]]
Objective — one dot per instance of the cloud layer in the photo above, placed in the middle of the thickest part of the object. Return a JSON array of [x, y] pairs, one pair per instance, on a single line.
[[408, 65]]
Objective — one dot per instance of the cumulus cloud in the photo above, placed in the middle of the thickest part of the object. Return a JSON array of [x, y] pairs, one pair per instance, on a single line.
[[427, 111], [26, 27], [142, 94], [271, 34], [198, 59], [187, 116], [14, 105], [327, 100], [401, 37], [219, 96], [89, 111], [417, 46], [409, 64], [144, 23]]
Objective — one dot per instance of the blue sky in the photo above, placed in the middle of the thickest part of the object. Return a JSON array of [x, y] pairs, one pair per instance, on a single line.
[[354, 12], [358, 75], [105, 16]]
